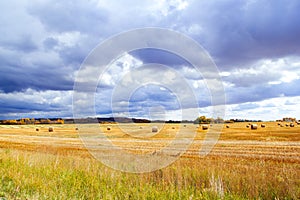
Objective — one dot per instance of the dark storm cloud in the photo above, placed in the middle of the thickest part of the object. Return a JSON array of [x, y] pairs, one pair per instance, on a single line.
[[236, 32], [27, 58], [42, 45], [17, 106], [41, 77], [32, 52]]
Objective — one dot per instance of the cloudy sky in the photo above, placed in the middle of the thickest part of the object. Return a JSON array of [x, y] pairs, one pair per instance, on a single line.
[[254, 44]]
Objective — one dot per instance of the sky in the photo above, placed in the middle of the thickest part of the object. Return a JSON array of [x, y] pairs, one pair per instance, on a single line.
[[255, 46]]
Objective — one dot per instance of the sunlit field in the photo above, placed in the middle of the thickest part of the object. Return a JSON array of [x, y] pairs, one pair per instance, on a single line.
[[244, 164]]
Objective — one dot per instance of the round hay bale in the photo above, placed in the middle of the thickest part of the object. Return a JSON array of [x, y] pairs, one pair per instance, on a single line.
[[76, 129], [278, 124], [141, 127], [263, 125], [184, 125], [154, 129], [287, 125], [253, 126], [50, 129], [227, 126], [247, 126], [37, 129], [204, 127], [173, 127], [292, 125], [108, 128]]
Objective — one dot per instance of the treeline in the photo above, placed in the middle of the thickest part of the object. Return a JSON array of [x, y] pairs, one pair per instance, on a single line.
[[219, 120], [90, 120], [24, 121], [120, 120], [199, 120], [241, 120]]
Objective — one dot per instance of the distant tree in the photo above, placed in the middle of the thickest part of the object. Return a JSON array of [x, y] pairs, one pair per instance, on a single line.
[[205, 120], [202, 120]]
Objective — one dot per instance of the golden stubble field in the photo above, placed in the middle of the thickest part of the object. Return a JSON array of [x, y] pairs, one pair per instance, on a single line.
[[272, 141], [244, 163]]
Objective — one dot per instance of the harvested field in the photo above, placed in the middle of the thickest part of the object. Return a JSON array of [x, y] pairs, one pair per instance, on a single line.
[[244, 163]]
